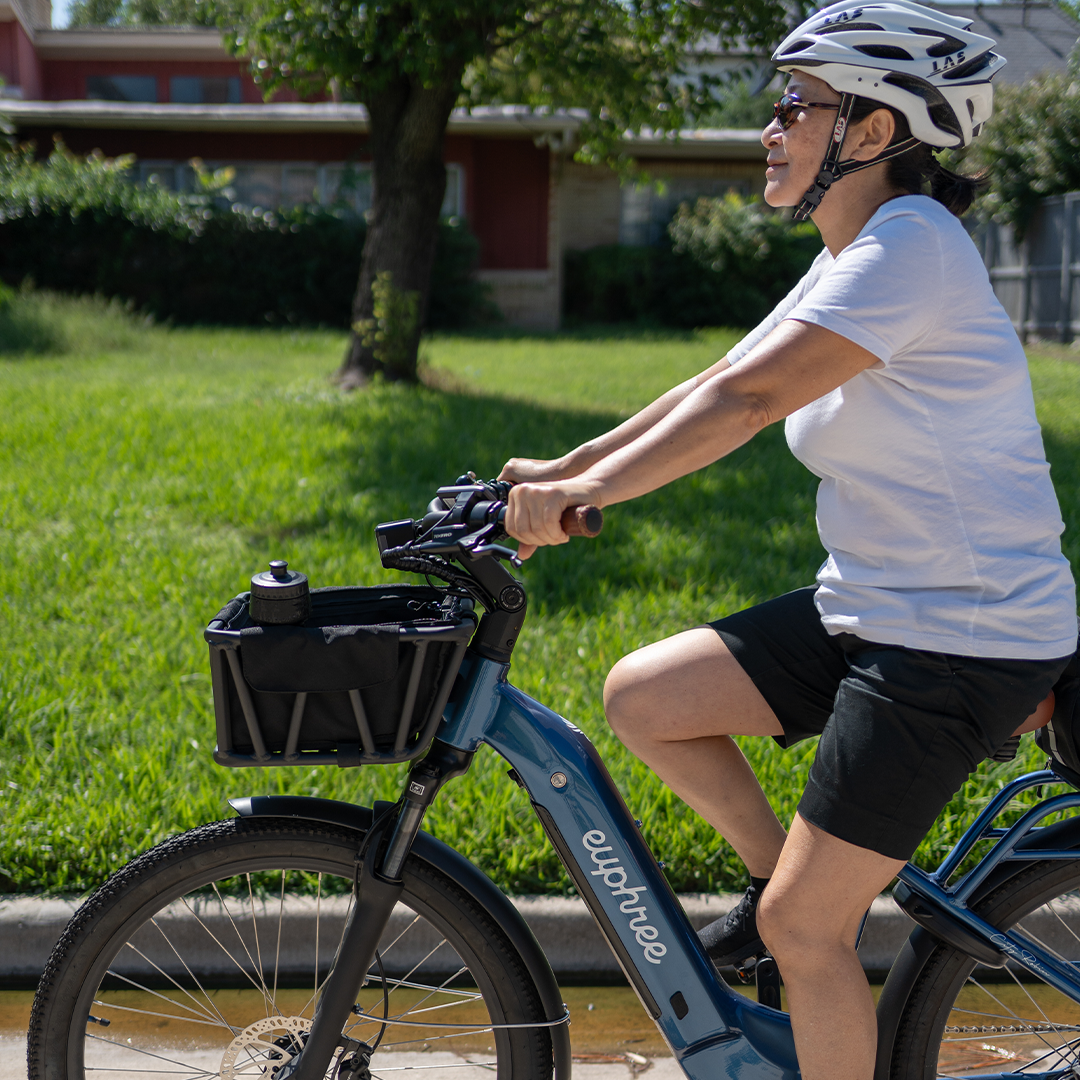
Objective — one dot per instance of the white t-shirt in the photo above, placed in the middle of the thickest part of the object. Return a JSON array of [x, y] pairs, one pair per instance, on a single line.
[[935, 502]]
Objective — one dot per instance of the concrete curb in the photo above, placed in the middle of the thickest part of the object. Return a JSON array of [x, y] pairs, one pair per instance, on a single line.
[[30, 927]]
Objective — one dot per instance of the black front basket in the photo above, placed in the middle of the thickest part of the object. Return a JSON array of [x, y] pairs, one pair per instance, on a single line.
[[363, 680]]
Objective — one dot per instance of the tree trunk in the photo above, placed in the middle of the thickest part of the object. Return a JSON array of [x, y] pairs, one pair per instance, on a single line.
[[408, 126]]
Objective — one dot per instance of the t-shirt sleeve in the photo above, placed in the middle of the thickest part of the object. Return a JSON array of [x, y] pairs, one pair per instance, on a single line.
[[780, 312], [884, 290]]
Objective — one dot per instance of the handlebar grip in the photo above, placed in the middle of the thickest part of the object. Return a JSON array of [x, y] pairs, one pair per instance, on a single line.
[[582, 521]]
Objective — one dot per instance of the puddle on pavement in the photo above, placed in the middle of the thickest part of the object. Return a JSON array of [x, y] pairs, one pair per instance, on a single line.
[[604, 1019]]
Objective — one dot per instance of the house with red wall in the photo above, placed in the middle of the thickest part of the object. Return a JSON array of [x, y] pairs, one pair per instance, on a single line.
[[168, 94]]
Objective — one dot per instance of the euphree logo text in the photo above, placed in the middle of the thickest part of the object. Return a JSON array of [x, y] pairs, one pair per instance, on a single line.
[[615, 879]]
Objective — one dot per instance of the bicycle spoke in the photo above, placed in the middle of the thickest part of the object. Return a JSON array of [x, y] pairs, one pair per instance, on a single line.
[[147, 990], [145, 1053], [261, 984], [191, 975], [240, 937]]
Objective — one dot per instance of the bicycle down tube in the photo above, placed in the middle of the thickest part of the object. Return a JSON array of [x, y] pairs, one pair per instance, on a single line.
[[712, 1030]]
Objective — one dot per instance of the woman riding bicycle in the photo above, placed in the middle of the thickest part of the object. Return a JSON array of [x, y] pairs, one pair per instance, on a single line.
[[945, 609]]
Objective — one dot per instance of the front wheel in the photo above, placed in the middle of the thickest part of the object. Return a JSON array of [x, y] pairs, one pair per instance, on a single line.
[[958, 1023], [205, 957]]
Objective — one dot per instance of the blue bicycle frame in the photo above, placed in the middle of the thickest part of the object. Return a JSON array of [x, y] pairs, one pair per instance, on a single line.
[[712, 1030]]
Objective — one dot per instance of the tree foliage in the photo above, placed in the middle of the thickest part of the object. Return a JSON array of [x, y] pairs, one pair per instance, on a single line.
[[1030, 148], [624, 64], [69, 185]]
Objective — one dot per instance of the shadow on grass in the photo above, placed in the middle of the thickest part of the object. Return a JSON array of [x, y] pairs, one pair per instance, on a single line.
[[744, 524], [26, 331]]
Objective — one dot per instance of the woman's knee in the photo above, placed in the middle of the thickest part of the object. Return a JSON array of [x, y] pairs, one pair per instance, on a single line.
[[794, 932], [628, 697]]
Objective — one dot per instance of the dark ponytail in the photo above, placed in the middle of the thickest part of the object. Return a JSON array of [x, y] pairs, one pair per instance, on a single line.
[[918, 172]]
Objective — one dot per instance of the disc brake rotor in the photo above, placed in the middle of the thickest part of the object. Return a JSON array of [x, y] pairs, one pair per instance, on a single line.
[[261, 1049]]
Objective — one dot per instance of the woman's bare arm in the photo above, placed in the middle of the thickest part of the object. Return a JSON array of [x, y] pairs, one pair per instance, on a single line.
[[796, 364], [532, 470]]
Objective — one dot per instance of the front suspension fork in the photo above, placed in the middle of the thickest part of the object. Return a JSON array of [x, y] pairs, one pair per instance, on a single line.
[[378, 887]]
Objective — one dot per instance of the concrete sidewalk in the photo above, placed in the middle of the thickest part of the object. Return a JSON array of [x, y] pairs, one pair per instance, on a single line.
[[13, 1065], [30, 927]]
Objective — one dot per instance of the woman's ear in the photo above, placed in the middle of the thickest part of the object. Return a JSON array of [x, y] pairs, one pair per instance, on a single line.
[[870, 137]]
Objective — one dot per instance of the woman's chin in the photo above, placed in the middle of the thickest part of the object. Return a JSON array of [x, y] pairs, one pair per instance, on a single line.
[[775, 195]]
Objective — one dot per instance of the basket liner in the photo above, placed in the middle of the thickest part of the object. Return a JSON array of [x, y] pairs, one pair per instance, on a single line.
[[351, 641]]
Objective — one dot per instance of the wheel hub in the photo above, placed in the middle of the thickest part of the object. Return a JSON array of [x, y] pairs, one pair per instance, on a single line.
[[262, 1048]]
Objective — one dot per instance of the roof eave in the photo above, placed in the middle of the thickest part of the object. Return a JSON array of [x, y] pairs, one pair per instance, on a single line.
[[347, 118]]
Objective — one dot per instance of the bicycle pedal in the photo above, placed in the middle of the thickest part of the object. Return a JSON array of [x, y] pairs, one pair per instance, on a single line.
[[744, 970]]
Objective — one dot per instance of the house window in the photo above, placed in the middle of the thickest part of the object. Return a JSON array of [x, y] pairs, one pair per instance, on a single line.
[[454, 200], [121, 88], [349, 184], [204, 90], [645, 212], [167, 174], [273, 184]]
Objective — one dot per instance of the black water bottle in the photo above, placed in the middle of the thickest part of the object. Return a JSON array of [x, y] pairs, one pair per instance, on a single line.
[[279, 596]]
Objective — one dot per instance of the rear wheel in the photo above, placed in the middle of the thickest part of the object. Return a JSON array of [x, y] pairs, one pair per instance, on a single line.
[[957, 1023], [206, 955]]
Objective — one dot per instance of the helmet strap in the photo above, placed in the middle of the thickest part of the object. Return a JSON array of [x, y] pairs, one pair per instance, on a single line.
[[832, 168]]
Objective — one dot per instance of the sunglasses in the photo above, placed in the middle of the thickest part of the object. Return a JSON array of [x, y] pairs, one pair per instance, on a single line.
[[786, 109]]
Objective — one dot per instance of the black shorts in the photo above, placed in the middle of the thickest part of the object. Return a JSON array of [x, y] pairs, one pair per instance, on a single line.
[[901, 729]]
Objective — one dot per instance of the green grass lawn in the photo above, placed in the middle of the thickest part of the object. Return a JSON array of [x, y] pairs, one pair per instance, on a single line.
[[147, 472]]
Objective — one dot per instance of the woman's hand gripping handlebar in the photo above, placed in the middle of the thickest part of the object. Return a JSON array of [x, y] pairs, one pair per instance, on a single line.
[[537, 515]]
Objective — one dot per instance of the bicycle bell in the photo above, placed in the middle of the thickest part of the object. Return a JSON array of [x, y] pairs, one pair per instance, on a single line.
[[279, 595]]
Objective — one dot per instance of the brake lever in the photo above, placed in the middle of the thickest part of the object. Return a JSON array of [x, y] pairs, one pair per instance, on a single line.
[[498, 551]]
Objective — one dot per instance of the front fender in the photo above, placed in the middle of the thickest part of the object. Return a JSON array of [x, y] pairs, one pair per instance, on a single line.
[[912, 958], [444, 858]]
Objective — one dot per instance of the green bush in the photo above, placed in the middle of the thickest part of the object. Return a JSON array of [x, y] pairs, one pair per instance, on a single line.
[[1030, 148], [78, 225], [728, 262], [24, 328]]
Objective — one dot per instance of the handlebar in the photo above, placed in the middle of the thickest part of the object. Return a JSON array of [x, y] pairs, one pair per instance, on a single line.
[[484, 504], [457, 540], [466, 519], [582, 521]]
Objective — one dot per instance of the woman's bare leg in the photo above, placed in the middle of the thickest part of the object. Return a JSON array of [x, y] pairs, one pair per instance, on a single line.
[[675, 705], [809, 918]]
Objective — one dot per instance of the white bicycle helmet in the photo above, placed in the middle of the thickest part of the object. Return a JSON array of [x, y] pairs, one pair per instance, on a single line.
[[929, 66]]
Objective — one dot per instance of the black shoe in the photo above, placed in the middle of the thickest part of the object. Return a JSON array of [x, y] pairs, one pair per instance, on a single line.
[[734, 937]]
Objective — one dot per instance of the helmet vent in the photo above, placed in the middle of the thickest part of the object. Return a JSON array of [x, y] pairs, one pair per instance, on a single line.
[[946, 46], [970, 68], [940, 111], [884, 52], [798, 46], [840, 28]]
